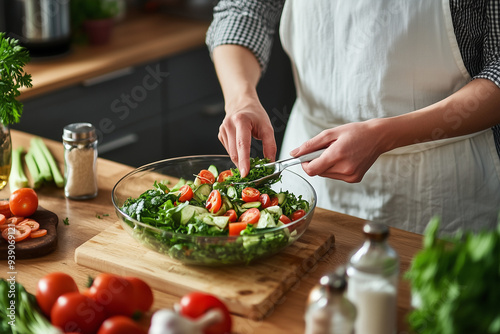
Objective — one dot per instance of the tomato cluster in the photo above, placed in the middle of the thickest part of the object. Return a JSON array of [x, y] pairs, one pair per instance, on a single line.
[[106, 307], [14, 225]]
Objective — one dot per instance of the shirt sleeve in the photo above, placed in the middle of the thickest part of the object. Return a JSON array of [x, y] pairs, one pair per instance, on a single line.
[[491, 46], [249, 23]]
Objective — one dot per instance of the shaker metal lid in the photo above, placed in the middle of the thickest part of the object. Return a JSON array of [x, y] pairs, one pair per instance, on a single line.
[[77, 132]]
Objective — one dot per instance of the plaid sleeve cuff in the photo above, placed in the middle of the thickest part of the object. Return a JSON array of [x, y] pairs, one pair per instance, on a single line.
[[248, 23]]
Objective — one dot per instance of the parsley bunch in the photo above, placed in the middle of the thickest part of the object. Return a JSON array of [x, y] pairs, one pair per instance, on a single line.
[[13, 58], [456, 279]]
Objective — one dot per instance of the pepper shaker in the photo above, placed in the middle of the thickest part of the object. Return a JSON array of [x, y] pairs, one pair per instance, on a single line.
[[80, 161]]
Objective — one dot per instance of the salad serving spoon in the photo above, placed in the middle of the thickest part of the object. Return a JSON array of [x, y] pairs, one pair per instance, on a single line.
[[280, 165]]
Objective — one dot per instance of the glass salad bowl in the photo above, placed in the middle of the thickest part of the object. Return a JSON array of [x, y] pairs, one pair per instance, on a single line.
[[209, 250]]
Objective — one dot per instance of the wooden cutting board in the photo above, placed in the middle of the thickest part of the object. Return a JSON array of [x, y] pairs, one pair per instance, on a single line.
[[37, 247], [250, 291]]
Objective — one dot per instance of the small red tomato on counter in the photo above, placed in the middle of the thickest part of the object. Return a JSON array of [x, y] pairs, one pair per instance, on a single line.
[[194, 305], [143, 294], [75, 312], [23, 202], [120, 324], [114, 293], [50, 287]]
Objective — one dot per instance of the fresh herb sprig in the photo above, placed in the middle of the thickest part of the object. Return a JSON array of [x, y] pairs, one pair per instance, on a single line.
[[13, 58]]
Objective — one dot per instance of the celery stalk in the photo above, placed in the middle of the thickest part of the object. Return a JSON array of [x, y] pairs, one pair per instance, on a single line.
[[17, 178], [54, 168], [33, 169], [41, 161]]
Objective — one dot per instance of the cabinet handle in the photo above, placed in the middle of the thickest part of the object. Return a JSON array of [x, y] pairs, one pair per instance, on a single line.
[[213, 109], [118, 143], [108, 76]]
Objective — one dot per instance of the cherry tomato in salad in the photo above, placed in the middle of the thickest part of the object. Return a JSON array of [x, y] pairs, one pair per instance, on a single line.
[[275, 201], [250, 194], [115, 293], [251, 216], [236, 228], [19, 233], [224, 175], [285, 220], [206, 176], [75, 312], [143, 294], [265, 201], [298, 214], [23, 202], [214, 201], [196, 304], [186, 193], [120, 324], [50, 287], [232, 215]]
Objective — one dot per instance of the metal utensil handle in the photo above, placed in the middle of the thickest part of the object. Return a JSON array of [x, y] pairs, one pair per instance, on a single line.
[[303, 158]]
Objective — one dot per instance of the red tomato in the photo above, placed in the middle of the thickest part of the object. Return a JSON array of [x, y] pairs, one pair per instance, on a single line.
[[285, 220], [265, 200], [196, 304], [249, 194], [236, 228], [14, 220], [186, 193], [114, 293], [5, 208], [275, 201], [214, 201], [3, 219], [206, 176], [23, 202], [224, 175], [143, 294], [120, 324], [298, 214], [38, 233], [50, 287], [74, 312], [19, 233], [31, 223], [232, 215], [251, 216]]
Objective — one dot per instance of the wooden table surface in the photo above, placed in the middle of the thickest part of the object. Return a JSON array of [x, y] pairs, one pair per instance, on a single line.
[[88, 218]]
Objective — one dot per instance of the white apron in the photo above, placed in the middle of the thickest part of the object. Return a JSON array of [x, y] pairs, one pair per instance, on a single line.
[[363, 59]]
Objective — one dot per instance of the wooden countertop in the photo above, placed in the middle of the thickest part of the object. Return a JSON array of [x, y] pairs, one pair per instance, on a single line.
[[137, 39], [90, 217]]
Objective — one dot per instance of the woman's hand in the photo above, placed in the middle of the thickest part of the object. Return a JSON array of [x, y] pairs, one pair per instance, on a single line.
[[242, 122], [351, 150]]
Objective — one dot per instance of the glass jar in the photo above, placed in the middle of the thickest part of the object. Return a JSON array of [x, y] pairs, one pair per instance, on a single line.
[[373, 273], [80, 161], [328, 310]]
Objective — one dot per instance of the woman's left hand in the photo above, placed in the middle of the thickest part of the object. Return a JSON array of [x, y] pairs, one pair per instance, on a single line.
[[351, 150]]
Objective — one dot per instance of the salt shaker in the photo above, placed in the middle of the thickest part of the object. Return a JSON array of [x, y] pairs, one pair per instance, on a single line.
[[328, 310], [373, 273], [80, 158]]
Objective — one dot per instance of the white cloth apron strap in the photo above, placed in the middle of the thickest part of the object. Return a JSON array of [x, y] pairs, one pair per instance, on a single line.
[[363, 59]]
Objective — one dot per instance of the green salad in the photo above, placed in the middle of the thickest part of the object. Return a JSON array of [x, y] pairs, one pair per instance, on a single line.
[[216, 203]]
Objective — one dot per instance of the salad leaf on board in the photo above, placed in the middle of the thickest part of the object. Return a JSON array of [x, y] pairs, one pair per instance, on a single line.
[[457, 283]]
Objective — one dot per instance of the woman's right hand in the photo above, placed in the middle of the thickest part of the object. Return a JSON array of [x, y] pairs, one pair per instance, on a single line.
[[246, 119]]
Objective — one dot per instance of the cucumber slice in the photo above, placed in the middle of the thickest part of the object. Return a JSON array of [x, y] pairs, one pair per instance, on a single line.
[[201, 193], [281, 198], [250, 205], [213, 170], [189, 211], [231, 192]]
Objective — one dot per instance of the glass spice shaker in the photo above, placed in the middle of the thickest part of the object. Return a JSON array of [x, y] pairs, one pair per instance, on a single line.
[[328, 309], [80, 158], [373, 273]]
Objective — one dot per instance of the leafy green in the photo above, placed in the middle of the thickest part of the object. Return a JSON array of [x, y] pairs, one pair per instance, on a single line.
[[13, 58], [456, 279], [19, 311]]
